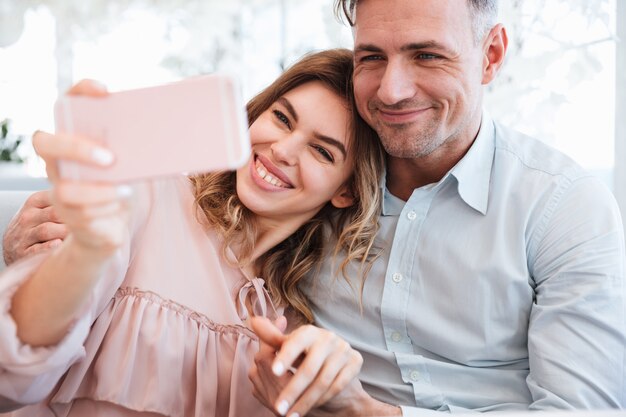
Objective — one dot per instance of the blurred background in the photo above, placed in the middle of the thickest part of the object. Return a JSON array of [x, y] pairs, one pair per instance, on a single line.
[[564, 80]]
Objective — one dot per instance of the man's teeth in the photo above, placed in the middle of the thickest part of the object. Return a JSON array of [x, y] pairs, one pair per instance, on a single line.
[[267, 177]]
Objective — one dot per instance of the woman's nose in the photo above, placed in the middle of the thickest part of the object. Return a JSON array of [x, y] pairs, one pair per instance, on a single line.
[[397, 83], [285, 150]]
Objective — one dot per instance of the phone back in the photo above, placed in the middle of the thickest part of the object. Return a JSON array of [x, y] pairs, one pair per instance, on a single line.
[[191, 126]]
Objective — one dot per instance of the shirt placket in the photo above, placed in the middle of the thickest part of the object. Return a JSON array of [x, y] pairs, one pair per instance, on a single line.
[[396, 302]]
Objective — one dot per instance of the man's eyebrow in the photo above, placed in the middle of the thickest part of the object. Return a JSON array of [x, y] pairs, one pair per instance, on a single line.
[[289, 107], [366, 47], [413, 46], [332, 142]]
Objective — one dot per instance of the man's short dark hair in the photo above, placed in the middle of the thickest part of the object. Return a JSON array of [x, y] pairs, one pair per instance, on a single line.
[[483, 13]]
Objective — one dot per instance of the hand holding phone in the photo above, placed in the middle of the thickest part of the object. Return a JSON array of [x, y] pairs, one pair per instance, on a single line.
[[191, 126]]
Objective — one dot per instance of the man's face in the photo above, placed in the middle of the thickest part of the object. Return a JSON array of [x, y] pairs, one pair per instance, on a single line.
[[418, 74]]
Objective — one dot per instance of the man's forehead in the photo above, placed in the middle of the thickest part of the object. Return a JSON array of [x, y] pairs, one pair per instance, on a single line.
[[432, 18], [401, 6]]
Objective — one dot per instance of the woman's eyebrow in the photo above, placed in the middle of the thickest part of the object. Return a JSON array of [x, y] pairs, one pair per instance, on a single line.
[[289, 107]]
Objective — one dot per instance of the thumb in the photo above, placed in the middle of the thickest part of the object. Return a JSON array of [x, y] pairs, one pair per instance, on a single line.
[[267, 332]]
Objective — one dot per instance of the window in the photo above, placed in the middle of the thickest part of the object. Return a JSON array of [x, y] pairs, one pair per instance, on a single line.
[[558, 84]]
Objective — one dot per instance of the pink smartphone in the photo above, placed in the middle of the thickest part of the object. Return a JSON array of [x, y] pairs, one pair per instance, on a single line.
[[191, 126]]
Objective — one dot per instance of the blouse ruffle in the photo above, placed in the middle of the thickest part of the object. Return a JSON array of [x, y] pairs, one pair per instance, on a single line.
[[149, 354]]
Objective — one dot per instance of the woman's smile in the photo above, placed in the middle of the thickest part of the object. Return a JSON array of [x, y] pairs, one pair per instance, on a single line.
[[267, 172]]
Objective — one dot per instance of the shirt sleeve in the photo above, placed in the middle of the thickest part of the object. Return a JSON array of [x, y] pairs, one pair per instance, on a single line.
[[577, 328], [422, 412]]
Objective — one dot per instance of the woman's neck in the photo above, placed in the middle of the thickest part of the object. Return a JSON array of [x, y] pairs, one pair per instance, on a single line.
[[269, 234]]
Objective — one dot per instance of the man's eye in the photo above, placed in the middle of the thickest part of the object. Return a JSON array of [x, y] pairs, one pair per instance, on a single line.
[[325, 154], [427, 57], [370, 58], [282, 118]]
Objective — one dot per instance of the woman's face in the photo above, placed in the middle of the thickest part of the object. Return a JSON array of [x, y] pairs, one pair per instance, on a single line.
[[300, 156]]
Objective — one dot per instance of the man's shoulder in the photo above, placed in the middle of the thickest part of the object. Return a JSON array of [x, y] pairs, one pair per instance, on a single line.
[[535, 155]]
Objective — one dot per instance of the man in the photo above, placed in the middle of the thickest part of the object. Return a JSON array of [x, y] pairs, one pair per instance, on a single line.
[[501, 281]]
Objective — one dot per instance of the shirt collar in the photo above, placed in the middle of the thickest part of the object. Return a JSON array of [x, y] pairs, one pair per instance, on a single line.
[[472, 172], [392, 205]]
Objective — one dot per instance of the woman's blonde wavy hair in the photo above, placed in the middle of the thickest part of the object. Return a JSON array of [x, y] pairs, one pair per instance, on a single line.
[[286, 264]]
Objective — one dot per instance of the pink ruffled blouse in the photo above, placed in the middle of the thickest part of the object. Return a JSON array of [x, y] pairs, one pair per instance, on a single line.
[[163, 334]]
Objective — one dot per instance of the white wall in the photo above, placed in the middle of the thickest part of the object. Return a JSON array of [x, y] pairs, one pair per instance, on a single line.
[[620, 109]]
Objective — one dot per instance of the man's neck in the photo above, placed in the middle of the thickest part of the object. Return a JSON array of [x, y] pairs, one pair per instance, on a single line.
[[406, 174]]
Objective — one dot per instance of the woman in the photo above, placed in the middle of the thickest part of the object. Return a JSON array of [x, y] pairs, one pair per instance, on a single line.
[[144, 308]]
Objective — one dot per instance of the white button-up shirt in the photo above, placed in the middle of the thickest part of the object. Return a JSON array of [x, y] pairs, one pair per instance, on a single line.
[[499, 287]]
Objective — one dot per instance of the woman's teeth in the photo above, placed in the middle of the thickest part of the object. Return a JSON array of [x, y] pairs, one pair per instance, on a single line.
[[267, 177]]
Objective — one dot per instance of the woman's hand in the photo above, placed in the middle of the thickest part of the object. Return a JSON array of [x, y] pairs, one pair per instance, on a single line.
[[95, 214], [326, 367]]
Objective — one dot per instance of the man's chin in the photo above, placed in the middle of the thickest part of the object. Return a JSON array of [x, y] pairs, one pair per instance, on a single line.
[[408, 145]]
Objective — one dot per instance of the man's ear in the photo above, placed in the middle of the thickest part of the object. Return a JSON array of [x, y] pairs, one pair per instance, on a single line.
[[494, 50], [343, 198]]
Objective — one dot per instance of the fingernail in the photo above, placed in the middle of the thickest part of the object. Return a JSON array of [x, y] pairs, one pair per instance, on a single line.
[[278, 368], [282, 407], [102, 156], [294, 415], [124, 190]]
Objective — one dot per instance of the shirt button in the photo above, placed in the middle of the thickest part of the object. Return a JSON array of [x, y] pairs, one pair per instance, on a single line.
[[397, 277], [411, 215], [414, 376], [396, 337]]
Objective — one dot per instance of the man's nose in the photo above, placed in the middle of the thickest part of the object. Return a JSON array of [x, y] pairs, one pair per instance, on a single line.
[[397, 83]]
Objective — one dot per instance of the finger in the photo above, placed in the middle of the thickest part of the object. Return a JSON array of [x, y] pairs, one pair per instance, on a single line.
[[296, 344], [88, 87], [48, 214], [45, 232], [267, 331], [266, 385], [103, 235], [94, 217], [257, 384], [335, 374], [39, 199], [80, 194], [40, 247], [312, 378], [72, 148], [342, 380]]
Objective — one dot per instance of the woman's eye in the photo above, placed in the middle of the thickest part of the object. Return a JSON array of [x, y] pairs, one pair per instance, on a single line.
[[325, 154], [283, 119]]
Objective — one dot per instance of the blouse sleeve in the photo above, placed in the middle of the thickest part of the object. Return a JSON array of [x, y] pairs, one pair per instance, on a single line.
[[29, 374]]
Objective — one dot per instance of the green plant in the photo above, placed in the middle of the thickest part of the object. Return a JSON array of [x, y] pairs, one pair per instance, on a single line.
[[9, 143]]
